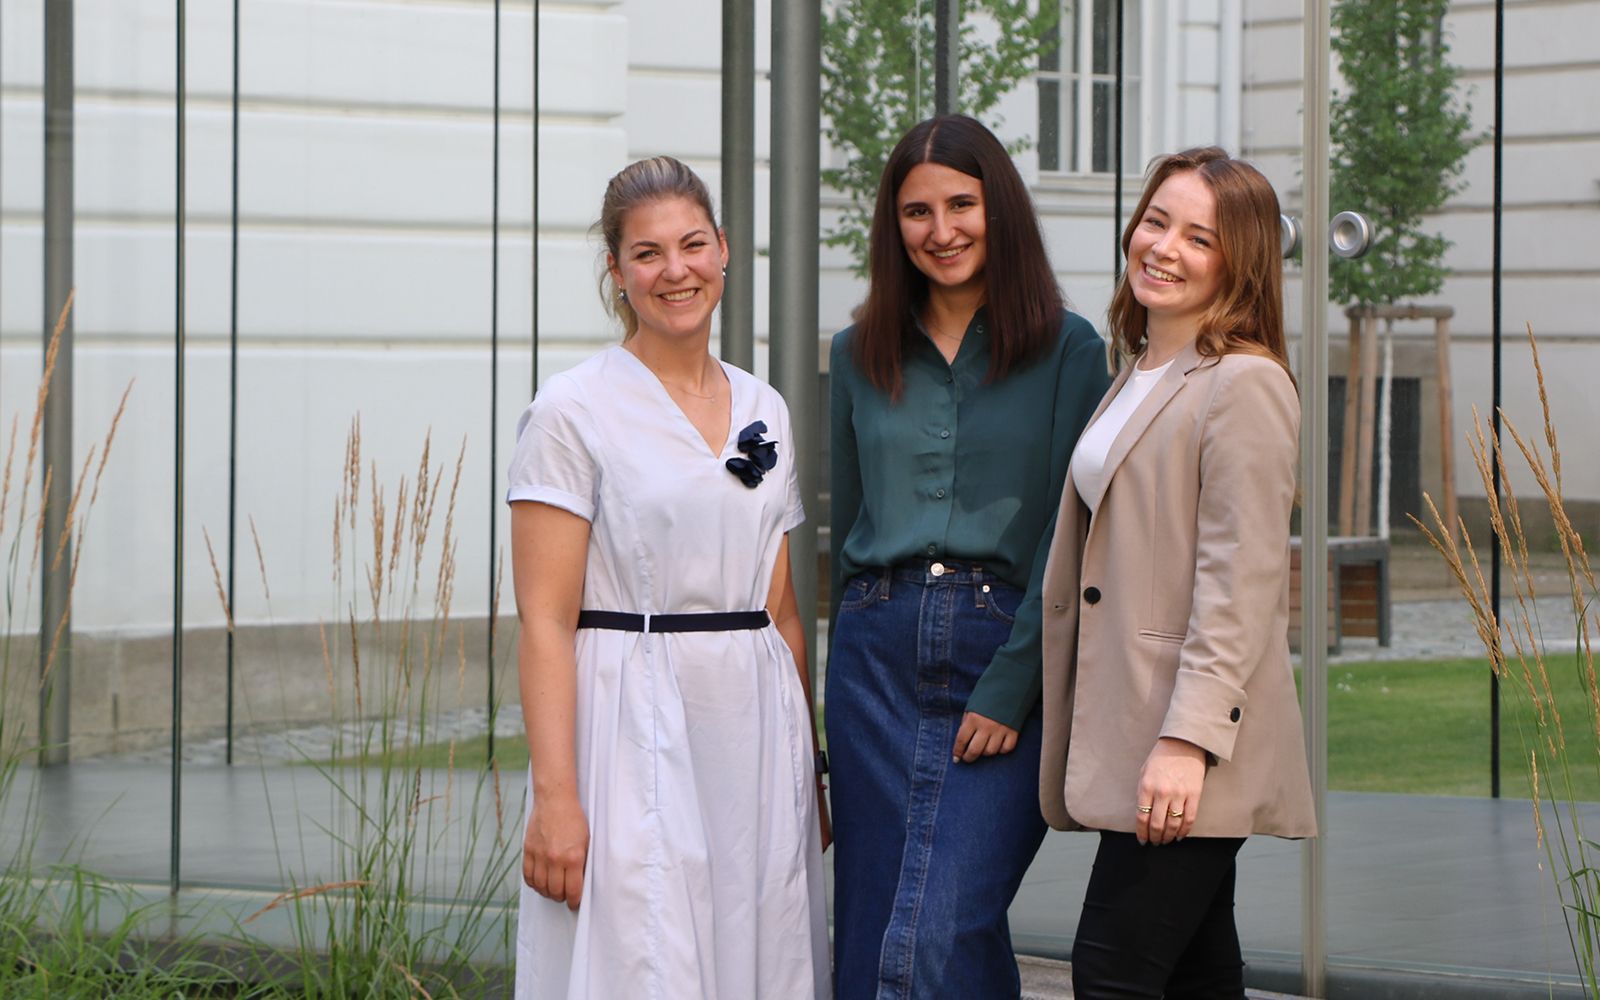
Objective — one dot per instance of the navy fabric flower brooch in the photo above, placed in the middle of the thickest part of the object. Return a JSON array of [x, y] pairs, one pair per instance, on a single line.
[[760, 456]]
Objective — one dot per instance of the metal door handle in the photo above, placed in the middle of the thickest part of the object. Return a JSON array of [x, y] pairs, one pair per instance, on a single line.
[[1288, 235], [1350, 235]]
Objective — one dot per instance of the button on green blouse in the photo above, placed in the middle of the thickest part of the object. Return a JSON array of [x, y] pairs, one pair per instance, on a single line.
[[966, 470]]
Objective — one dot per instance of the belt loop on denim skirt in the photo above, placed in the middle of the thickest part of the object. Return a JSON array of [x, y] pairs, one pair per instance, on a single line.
[[888, 579], [980, 592]]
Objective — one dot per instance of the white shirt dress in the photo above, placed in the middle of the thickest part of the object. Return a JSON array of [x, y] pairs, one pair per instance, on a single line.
[[704, 874]]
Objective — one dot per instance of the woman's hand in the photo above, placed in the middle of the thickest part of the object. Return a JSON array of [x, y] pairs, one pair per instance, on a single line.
[[982, 737], [1169, 791], [823, 816], [554, 850]]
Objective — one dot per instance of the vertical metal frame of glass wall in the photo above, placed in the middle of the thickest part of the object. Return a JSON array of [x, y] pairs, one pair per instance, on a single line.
[[1314, 483]]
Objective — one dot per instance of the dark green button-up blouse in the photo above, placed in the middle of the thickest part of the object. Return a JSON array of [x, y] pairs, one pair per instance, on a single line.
[[964, 469]]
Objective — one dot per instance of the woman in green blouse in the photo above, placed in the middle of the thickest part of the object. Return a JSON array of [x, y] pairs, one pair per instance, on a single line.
[[957, 399]]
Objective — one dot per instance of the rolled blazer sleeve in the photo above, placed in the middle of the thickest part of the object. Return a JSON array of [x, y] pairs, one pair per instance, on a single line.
[[1249, 447]]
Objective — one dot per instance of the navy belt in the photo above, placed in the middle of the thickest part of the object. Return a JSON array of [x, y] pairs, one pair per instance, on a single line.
[[702, 621]]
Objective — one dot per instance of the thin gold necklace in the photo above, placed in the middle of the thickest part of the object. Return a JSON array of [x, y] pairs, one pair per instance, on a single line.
[[715, 392], [669, 386], [689, 392]]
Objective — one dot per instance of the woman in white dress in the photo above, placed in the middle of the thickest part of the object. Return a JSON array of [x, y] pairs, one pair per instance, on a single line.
[[675, 829]]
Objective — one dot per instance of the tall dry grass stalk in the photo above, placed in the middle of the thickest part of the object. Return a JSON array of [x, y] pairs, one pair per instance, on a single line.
[[1519, 655], [411, 899], [373, 918], [24, 673], [67, 932]]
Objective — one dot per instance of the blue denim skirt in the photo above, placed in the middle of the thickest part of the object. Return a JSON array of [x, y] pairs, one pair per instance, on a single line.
[[928, 853]]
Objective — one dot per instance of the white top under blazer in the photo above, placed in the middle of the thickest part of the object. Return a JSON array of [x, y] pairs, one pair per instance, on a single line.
[[1089, 459]]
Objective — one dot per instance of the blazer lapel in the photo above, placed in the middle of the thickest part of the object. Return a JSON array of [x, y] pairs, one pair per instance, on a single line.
[[1139, 422]]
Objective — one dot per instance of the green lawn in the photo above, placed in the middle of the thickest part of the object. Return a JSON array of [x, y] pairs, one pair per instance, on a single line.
[[511, 753], [1423, 728], [1420, 728]]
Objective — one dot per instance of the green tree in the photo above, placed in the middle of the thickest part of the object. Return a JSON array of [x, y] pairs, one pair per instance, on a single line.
[[1399, 137], [877, 81]]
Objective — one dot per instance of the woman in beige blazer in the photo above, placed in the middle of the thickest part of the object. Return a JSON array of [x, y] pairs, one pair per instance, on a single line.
[[1171, 723]]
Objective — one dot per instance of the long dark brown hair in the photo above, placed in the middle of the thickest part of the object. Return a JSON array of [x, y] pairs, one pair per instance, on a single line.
[[1247, 314], [1021, 294]]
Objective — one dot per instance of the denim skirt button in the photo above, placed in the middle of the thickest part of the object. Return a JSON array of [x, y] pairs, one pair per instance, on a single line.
[[937, 569]]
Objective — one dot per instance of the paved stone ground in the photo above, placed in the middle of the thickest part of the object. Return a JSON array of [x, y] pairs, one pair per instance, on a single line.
[[1444, 629], [1047, 979]]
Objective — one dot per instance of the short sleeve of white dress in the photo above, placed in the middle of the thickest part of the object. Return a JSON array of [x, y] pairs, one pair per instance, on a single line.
[[794, 513], [553, 462]]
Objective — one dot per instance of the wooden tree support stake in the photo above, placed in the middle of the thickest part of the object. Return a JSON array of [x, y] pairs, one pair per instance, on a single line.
[[1360, 407]]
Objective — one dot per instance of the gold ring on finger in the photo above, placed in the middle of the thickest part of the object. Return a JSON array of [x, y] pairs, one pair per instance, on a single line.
[[1175, 813], [1146, 809]]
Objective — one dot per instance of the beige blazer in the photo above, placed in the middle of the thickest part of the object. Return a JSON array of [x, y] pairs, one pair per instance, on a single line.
[[1168, 613]]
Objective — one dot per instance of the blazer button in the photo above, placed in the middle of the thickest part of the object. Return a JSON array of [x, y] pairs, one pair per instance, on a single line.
[[1233, 716], [1091, 595]]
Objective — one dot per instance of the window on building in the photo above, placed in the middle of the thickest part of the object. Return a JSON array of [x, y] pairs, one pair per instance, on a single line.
[[1077, 89]]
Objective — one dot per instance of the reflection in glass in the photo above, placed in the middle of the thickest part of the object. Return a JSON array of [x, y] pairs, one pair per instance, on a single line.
[[1075, 114], [364, 277], [1049, 125], [1101, 109], [1102, 38]]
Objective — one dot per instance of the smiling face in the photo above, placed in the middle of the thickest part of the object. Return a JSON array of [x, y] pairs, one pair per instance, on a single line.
[[1175, 256], [943, 223], [669, 261]]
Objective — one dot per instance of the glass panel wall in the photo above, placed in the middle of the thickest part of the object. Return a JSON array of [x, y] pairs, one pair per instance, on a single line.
[[1434, 855], [109, 710], [368, 343], [356, 351]]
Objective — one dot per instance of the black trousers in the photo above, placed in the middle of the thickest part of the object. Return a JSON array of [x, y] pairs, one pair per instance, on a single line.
[[1158, 922]]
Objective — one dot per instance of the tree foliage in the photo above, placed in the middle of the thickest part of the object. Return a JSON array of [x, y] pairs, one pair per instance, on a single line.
[[878, 81], [1399, 137]]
